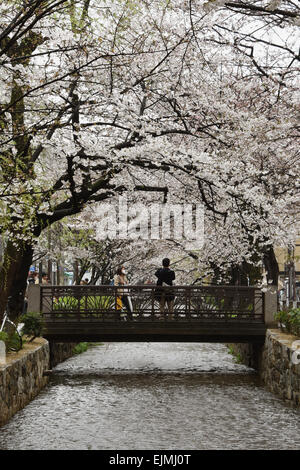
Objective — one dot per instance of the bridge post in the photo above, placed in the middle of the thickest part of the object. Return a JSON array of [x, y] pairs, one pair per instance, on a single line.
[[270, 306], [35, 302], [34, 298]]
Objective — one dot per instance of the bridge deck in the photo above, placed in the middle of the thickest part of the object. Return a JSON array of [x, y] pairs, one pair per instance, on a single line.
[[156, 331]]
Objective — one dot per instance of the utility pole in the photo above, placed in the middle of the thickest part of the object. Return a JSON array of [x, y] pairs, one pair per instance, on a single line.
[[75, 271], [40, 271], [291, 274], [1, 250], [49, 267]]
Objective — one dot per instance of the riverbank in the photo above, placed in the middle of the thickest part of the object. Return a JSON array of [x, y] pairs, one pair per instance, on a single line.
[[275, 362], [23, 375]]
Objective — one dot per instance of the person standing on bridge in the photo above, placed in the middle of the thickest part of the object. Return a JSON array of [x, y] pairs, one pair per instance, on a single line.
[[165, 277], [120, 279]]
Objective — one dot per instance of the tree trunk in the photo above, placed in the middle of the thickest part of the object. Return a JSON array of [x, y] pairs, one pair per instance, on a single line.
[[245, 274], [271, 266], [76, 273], [13, 278], [95, 276]]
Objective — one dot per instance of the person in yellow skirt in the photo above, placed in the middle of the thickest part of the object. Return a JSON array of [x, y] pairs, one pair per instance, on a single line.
[[123, 298]]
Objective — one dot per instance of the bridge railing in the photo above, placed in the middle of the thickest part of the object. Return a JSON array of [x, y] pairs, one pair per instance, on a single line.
[[104, 303]]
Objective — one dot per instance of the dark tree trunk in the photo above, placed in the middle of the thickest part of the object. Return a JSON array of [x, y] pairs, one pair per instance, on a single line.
[[95, 275], [76, 273], [245, 274], [235, 276], [13, 278], [271, 266]]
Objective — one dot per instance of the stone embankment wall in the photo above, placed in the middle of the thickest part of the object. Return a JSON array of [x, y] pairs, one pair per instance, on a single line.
[[275, 362], [22, 377], [59, 352]]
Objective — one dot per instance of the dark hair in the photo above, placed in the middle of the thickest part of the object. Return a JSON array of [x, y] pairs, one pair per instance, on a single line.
[[44, 274], [119, 270], [166, 262]]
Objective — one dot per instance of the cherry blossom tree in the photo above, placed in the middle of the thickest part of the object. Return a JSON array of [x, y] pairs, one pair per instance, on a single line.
[[73, 89], [101, 98]]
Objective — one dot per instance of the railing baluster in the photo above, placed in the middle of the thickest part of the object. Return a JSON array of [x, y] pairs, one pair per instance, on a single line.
[[78, 306]]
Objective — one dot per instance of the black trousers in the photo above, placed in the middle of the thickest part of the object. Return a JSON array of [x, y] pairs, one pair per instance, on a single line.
[[125, 301]]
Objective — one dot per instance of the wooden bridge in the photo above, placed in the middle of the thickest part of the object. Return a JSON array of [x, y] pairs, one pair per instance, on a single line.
[[200, 313]]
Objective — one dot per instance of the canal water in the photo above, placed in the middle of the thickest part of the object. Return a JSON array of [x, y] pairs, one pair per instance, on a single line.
[[165, 396]]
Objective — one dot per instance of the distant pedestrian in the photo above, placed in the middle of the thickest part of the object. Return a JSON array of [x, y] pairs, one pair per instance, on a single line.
[[45, 279], [32, 277]]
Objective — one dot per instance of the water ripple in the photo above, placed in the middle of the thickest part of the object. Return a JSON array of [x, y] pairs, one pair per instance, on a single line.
[[154, 396]]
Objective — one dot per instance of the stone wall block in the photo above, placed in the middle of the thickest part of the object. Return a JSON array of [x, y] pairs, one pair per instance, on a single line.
[[274, 364]]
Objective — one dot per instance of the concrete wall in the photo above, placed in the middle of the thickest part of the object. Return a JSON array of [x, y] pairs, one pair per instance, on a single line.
[[275, 362]]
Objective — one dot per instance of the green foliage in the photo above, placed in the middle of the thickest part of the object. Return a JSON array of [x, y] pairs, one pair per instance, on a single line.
[[90, 302], [33, 324], [289, 320], [3, 336], [14, 342], [237, 356], [80, 348]]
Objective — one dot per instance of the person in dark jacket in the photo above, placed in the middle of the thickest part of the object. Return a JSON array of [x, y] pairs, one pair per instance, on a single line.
[[165, 277]]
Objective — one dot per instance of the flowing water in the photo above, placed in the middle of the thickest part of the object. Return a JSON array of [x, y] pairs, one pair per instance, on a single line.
[[136, 396]]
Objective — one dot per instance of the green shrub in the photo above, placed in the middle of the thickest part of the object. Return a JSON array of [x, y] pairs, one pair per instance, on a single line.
[[3, 336], [14, 342], [289, 320], [33, 325], [80, 348], [237, 357], [91, 302]]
